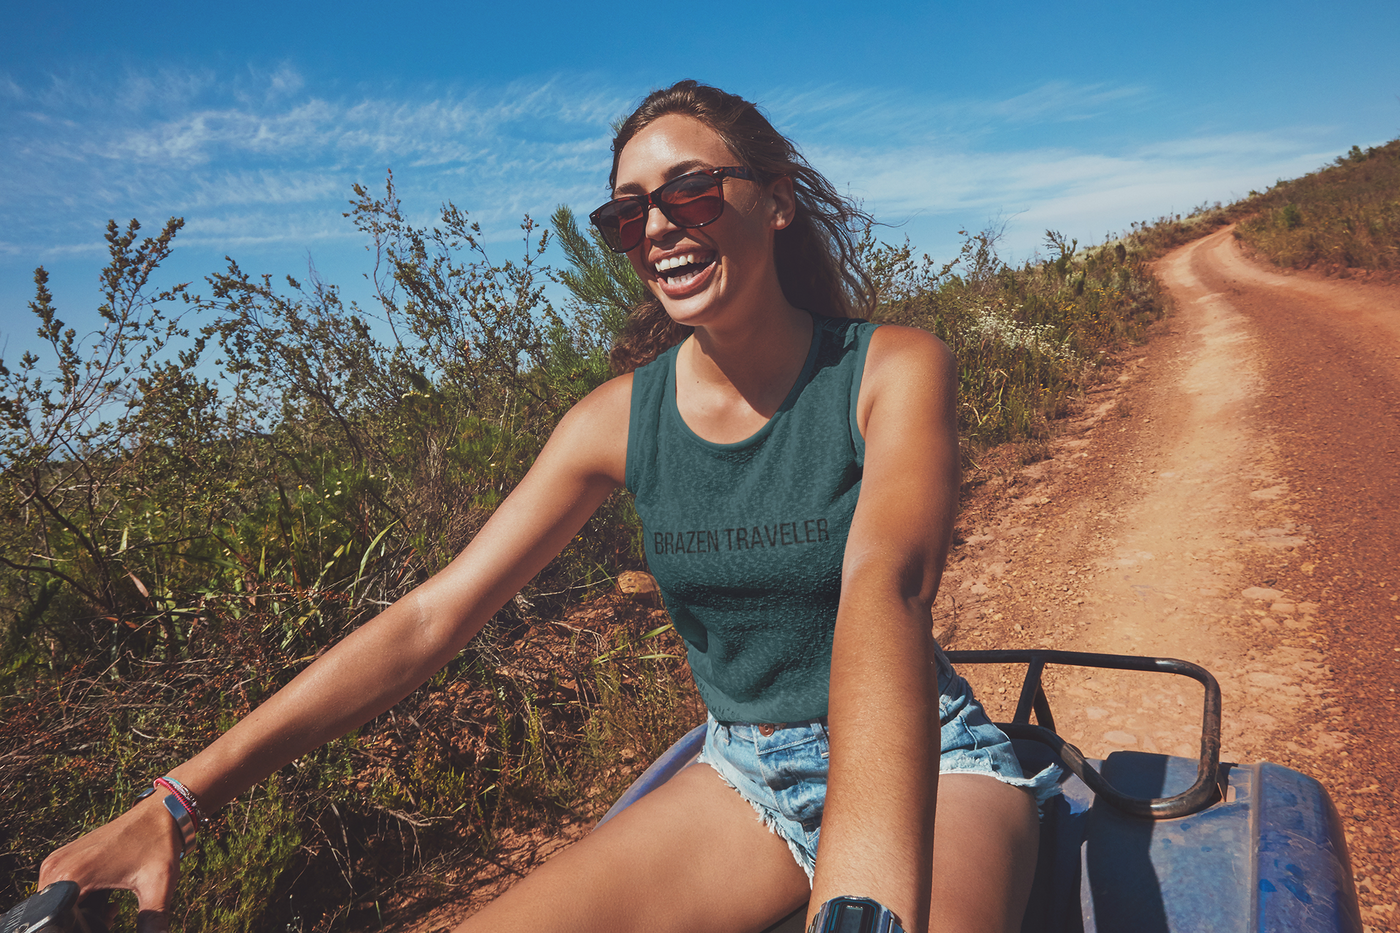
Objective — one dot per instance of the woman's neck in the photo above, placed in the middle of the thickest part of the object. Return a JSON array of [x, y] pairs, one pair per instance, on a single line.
[[730, 381]]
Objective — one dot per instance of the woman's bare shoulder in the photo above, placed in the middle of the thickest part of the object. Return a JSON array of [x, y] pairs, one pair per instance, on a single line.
[[612, 398], [593, 434], [900, 347], [906, 365]]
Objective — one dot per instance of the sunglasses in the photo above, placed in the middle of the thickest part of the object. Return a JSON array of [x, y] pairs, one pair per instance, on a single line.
[[688, 201]]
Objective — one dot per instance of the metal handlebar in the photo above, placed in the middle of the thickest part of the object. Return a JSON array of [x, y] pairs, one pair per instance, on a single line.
[[1202, 794]]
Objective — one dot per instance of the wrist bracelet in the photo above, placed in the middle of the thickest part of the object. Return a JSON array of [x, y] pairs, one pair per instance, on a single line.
[[854, 915], [180, 790], [185, 822]]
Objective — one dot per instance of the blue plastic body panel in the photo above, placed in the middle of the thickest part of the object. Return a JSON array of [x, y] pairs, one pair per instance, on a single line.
[[1303, 877], [1269, 857]]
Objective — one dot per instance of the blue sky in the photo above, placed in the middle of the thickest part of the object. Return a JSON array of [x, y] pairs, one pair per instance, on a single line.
[[253, 120]]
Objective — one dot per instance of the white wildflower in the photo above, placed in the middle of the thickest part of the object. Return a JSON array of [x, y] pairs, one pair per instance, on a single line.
[[995, 323]]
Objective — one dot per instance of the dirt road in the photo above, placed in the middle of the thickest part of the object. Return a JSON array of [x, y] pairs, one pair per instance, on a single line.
[[1234, 500]]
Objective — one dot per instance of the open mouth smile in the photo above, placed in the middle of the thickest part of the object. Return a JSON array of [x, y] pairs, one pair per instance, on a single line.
[[681, 270]]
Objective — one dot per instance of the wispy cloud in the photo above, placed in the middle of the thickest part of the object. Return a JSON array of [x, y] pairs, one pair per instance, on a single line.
[[266, 158], [1058, 101], [1089, 193], [899, 117], [236, 155]]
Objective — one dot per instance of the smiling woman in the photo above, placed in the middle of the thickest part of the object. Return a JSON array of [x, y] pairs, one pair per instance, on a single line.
[[814, 254], [796, 471]]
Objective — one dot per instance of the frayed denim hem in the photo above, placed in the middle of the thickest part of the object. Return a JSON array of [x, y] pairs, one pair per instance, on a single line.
[[1043, 786], [770, 819]]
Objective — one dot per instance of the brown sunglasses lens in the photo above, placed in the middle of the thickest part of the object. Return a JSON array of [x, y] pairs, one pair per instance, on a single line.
[[689, 201]]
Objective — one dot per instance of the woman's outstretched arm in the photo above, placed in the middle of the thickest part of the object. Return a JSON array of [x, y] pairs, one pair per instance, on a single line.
[[877, 830], [378, 664]]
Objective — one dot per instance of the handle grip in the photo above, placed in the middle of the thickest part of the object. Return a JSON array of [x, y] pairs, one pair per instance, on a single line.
[[57, 909]]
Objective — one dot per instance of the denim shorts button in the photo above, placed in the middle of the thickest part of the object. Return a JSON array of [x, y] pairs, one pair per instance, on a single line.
[[767, 729]]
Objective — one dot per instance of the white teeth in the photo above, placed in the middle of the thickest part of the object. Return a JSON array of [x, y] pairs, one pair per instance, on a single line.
[[672, 262], [680, 281]]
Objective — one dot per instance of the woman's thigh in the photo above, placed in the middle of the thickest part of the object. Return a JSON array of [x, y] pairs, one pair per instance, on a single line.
[[691, 855], [985, 841]]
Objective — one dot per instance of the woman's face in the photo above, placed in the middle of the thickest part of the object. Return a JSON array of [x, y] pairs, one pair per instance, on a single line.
[[700, 272]]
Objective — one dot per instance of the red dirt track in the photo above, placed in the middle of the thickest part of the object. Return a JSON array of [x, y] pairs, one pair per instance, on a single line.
[[1233, 500]]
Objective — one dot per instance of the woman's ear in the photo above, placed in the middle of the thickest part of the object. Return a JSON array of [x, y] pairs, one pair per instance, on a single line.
[[784, 201]]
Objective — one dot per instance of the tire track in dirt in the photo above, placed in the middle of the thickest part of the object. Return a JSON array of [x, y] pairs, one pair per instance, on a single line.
[[1232, 500]]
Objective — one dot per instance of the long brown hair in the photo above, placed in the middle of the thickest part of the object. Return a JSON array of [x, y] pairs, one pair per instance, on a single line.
[[817, 261]]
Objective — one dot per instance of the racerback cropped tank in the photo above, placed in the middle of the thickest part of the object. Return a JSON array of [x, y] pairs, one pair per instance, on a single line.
[[746, 540]]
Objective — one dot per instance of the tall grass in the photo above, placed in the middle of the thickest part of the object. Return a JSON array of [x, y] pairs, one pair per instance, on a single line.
[[547, 717]]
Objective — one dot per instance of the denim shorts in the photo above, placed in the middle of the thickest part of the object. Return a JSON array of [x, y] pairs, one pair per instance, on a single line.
[[781, 769]]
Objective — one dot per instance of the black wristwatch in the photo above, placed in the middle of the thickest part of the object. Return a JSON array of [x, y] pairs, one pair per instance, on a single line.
[[854, 915]]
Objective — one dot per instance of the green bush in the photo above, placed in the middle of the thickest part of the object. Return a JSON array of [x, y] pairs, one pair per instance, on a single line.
[[1026, 339]]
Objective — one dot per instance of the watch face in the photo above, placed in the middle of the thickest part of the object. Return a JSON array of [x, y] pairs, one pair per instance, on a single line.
[[847, 914], [852, 917]]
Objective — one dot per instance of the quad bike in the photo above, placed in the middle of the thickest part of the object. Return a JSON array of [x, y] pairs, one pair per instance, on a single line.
[[1244, 847], [1125, 849]]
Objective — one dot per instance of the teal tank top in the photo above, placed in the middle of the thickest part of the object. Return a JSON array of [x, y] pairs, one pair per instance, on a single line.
[[746, 540]]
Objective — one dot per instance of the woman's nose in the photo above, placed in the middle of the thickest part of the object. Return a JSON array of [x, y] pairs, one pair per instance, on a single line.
[[658, 224]]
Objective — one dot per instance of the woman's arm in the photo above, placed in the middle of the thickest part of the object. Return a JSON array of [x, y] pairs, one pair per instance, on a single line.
[[381, 662], [877, 830]]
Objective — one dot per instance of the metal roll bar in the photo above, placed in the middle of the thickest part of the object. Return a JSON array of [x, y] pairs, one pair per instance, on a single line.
[[1202, 794]]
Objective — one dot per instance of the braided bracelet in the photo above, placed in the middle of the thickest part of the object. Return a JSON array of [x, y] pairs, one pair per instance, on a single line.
[[179, 802], [180, 790]]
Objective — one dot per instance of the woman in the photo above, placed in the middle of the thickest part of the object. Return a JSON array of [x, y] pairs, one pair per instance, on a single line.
[[796, 472]]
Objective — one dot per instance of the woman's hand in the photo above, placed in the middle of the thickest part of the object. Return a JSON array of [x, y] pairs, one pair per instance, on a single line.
[[138, 851]]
